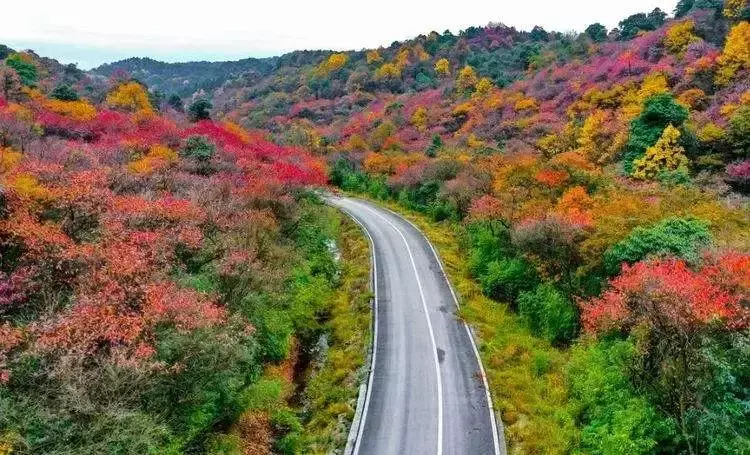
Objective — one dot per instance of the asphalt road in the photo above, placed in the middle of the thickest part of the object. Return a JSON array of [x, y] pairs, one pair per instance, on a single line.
[[426, 393]]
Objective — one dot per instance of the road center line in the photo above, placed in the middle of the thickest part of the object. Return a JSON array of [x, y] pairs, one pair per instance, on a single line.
[[429, 326], [488, 396]]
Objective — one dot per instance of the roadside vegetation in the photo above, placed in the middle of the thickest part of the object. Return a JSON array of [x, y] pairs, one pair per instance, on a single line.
[[167, 277]]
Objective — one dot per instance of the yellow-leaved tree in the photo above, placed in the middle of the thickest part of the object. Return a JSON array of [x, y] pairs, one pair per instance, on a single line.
[[483, 87], [467, 79], [680, 36], [419, 118], [443, 67], [130, 96], [332, 64], [734, 8], [666, 155], [388, 71], [373, 56], [736, 54]]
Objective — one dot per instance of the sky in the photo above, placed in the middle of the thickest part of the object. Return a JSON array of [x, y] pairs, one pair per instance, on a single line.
[[92, 32]]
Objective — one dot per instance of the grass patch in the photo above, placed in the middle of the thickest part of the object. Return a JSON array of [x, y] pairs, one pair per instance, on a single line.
[[330, 397]]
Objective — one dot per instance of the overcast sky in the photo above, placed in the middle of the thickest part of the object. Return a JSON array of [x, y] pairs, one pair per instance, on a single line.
[[91, 32]]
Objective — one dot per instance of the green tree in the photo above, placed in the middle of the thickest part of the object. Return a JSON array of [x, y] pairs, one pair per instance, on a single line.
[[5, 51], [614, 417], [597, 32], [683, 7], [26, 71], [175, 102], [680, 237], [549, 313], [199, 110], [198, 148], [64, 92], [645, 130], [738, 134]]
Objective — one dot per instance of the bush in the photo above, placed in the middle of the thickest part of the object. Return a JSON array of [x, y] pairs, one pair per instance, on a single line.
[[683, 238], [64, 92], [199, 110], [488, 241], [549, 313], [198, 148], [506, 278], [613, 417]]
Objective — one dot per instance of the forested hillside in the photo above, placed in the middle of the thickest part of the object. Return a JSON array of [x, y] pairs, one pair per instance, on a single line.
[[165, 279], [595, 185]]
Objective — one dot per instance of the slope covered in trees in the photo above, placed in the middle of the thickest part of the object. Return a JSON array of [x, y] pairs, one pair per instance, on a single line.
[[161, 280], [598, 180], [597, 184]]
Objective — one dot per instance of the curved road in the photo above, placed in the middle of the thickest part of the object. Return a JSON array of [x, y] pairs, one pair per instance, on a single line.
[[426, 393]]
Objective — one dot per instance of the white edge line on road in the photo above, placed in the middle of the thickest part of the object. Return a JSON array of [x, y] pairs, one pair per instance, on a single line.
[[495, 427], [374, 342], [429, 327]]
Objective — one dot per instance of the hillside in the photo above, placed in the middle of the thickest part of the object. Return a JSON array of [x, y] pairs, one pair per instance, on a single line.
[[184, 79], [589, 193]]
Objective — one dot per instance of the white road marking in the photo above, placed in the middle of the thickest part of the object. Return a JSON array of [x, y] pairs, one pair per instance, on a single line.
[[360, 430], [429, 327], [495, 438]]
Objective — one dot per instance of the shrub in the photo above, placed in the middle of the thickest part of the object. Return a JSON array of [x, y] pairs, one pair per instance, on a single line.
[[506, 278], [681, 237], [548, 313], [198, 148], [613, 417], [64, 92]]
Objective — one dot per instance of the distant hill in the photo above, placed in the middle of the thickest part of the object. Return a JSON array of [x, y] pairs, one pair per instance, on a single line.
[[186, 78]]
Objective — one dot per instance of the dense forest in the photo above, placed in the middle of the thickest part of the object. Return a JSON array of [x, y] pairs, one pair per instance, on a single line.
[[164, 263]]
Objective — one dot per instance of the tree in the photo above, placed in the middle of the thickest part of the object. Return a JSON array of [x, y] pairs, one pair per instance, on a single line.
[[64, 92], [199, 110], [666, 155], [538, 34], [483, 87], [5, 51], [656, 18], [23, 65], [633, 25], [548, 313], [680, 36], [552, 243], [175, 102], [198, 148], [683, 7], [443, 67], [672, 311], [684, 238], [388, 71], [130, 96], [373, 56], [10, 83], [435, 146], [738, 133], [736, 9], [419, 118], [597, 32], [467, 79], [736, 54], [645, 130]]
